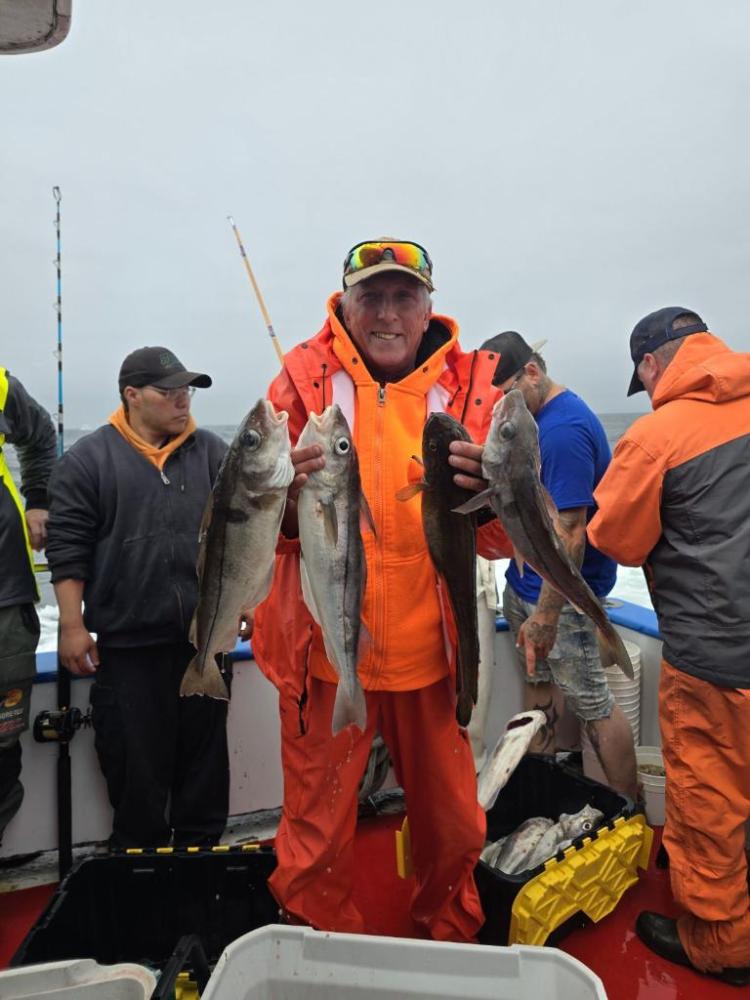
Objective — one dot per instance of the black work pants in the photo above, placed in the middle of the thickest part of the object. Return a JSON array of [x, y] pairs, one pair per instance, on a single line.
[[164, 757]]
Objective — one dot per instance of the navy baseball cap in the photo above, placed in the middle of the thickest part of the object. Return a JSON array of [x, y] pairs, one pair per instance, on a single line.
[[656, 329], [160, 367]]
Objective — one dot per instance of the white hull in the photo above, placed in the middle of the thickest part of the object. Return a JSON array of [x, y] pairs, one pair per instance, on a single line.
[[256, 778]]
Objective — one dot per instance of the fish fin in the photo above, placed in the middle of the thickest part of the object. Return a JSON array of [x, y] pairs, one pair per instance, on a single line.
[[365, 642], [476, 502], [208, 512], [551, 506], [330, 522], [407, 492], [193, 633], [418, 460], [365, 514], [518, 560], [464, 708], [208, 681], [307, 592], [349, 711], [615, 651]]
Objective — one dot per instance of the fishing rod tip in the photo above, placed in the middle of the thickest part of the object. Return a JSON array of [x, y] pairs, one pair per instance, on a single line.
[[231, 220]]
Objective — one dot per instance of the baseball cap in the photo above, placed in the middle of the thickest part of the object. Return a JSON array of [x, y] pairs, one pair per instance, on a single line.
[[514, 353], [160, 367], [653, 331], [372, 257]]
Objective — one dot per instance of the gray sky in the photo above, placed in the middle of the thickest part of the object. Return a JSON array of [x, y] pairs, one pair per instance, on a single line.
[[569, 166]]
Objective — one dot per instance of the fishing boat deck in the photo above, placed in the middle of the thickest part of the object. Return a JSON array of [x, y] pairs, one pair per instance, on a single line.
[[610, 948]]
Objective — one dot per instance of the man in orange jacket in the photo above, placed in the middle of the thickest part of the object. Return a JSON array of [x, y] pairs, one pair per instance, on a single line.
[[676, 498], [388, 362]]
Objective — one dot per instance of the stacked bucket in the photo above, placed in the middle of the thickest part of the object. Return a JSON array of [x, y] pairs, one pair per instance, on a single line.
[[627, 694]]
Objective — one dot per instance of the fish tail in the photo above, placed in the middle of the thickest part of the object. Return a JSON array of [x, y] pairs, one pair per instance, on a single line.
[[615, 649], [207, 682], [349, 710]]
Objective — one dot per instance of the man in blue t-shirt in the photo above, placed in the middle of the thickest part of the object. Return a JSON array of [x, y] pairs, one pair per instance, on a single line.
[[556, 644]]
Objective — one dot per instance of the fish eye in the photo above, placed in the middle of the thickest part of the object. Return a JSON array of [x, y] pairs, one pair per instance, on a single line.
[[251, 439], [342, 446], [508, 430], [586, 825], [432, 445]]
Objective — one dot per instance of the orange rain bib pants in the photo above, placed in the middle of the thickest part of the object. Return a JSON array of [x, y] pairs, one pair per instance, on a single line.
[[314, 843], [705, 733]]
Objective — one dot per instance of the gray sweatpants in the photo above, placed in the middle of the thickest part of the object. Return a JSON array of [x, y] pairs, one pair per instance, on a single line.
[[19, 635]]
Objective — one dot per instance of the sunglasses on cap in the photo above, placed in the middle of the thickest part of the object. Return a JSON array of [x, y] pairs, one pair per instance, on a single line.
[[368, 256]]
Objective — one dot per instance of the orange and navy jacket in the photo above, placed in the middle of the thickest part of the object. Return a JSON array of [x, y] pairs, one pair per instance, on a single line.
[[676, 498], [401, 609]]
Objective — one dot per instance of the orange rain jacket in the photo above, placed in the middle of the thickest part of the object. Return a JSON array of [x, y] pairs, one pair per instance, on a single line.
[[401, 608], [676, 497]]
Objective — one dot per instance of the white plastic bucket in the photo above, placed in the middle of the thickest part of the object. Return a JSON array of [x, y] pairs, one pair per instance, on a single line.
[[653, 784], [78, 979], [627, 694]]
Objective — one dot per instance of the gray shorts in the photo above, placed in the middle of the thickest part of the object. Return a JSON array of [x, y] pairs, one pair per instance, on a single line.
[[573, 664]]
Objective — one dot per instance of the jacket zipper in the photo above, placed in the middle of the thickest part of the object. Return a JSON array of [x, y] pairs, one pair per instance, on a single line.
[[181, 611], [379, 602]]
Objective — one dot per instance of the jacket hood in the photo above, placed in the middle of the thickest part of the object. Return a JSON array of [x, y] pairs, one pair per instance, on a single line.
[[704, 368]]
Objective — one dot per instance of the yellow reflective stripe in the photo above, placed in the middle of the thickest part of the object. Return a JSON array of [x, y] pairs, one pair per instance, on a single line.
[[8, 479]]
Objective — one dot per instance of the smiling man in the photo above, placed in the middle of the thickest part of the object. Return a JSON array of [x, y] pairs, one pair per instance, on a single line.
[[388, 361], [126, 504]]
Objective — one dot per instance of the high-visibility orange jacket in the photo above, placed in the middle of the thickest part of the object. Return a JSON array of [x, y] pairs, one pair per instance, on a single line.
[[676, 497], [401, 610]]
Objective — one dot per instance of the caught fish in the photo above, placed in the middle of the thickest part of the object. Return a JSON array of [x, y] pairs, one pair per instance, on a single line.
[[513, 851], [510, 463], [238, 538], [504, 759], [451, 541], [333, 566], [538, 839]]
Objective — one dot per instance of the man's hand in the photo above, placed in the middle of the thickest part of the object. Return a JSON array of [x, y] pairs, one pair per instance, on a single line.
[[467, 456], [536, 637], [245, 629], [36, 521], [304, 461], [77, 650]]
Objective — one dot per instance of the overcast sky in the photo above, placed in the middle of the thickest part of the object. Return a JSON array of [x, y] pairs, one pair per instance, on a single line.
[[569, 166]]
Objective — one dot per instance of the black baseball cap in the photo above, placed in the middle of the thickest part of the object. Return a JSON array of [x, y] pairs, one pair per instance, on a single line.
[[656, 329], [160, 367], [514, 353]]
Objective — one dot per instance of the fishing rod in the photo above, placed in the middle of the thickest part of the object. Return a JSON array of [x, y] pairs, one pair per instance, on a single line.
[[65, 734], [254, 283], [58, 354]]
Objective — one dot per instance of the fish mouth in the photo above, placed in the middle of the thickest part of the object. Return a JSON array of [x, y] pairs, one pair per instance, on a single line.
[[279, 418]]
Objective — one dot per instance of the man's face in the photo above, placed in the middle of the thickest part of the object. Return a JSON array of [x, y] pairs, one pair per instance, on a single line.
[[164, 411], [386, 317], [649, 372], [527, 382]]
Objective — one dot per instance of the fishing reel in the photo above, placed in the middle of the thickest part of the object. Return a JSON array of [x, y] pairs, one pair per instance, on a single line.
[[60, 725]]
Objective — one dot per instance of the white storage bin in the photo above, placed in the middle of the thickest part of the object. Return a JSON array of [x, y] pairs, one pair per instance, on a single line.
[[78, 979], [278, 962]]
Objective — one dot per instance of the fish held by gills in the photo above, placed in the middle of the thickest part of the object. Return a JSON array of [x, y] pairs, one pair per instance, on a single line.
[[333, 568], [237, 544], [510, 463], [451, 541]]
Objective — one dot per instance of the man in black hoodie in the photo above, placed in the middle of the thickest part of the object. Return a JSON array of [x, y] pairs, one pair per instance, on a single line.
[[126, 504], [27, 426]]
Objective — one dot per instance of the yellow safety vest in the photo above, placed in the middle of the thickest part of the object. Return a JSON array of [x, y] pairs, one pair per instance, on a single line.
[[7, 479]]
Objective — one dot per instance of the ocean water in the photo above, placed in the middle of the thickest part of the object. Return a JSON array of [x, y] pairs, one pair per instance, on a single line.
[[630, 585]]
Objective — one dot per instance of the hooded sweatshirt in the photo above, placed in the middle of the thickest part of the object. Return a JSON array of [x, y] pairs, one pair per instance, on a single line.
[[676, 499]]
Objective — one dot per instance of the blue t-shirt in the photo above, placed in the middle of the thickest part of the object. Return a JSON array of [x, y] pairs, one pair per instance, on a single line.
[[575, 454]]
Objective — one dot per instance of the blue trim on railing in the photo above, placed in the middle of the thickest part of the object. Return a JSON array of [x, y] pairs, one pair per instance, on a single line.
[[46, 663], [625, 614]]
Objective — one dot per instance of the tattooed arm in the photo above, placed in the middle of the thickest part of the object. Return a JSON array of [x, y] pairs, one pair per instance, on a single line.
[[538, 633]]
